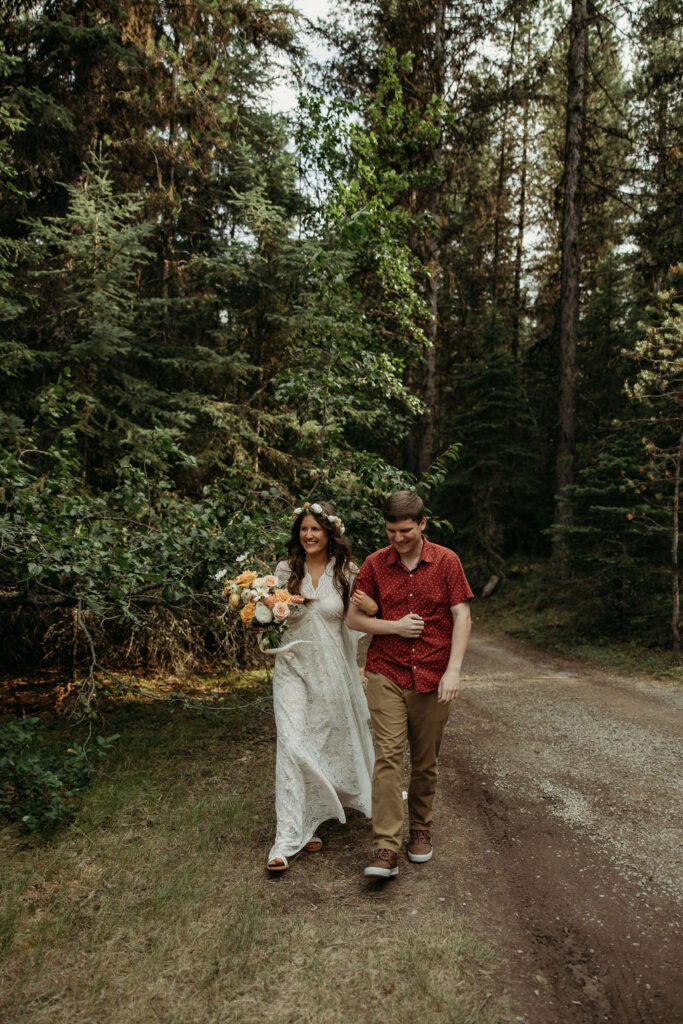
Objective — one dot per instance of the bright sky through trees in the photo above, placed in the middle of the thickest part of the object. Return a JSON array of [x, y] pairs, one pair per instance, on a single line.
[[285, 93]]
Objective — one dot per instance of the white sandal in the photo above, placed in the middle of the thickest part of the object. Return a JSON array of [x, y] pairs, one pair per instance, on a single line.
[[277, 864], [314, 845]]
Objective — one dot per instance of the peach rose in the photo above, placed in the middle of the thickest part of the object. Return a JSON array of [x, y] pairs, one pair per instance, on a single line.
[[282, 595], [247, 614], [246, 578], [269, 601], [280, 611], [269, 581]]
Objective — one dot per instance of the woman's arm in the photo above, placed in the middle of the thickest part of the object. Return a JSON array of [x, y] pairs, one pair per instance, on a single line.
[[364, 602], [410, 625]]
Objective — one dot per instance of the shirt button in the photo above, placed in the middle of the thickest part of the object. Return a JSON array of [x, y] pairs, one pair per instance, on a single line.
[[410, 595]]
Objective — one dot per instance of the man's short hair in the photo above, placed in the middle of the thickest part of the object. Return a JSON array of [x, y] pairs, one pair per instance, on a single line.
[[404, 505]]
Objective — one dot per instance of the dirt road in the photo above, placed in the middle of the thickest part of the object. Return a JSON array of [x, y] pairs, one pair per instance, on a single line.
[[560, 805]]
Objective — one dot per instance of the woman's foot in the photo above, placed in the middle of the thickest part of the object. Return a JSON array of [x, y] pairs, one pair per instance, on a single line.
[[277, 865], [314, 845]]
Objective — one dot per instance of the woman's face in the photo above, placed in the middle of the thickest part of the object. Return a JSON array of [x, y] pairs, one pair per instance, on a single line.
[[312, 536]]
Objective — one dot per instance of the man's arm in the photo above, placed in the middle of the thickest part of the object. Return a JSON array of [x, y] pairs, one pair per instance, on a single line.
[[410, 625], [462, 625]]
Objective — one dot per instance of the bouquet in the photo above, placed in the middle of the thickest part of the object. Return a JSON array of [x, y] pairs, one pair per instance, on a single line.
[[264, 606]]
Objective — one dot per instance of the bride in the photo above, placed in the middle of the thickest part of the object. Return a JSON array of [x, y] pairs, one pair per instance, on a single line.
[[324, 755]]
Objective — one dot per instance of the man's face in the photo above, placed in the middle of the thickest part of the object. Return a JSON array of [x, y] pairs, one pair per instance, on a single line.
[[405, 535]]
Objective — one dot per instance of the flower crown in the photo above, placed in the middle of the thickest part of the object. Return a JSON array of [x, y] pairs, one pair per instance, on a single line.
[[319, 511]]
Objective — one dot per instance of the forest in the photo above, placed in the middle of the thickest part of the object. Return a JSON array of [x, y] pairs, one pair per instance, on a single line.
[[454, 264]]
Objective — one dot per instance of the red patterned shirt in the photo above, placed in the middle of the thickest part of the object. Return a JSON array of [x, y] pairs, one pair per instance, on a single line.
[[431, 589]]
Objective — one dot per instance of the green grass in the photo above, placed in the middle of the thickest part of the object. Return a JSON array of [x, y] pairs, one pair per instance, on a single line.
[[155, 905], [531, 605]]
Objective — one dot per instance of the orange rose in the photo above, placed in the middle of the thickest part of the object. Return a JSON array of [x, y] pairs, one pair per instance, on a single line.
[[297, 599], [247, 614], [269, 601], [280, 611], [282, 595], [246, 578]]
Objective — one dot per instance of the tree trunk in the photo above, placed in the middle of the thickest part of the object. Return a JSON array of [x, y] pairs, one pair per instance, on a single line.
[[432, 255], [571, 263], [521, 217], [675, 576], [502, 166], [426, 446], [170, 197]]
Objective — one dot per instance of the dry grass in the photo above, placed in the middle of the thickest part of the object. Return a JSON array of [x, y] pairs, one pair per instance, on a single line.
[[155, 905]]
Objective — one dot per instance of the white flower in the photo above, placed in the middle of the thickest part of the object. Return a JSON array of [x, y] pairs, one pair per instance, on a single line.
[[240, 558], [262, 614], [297, 511], [220, 574], [342, 529], [317, 509]]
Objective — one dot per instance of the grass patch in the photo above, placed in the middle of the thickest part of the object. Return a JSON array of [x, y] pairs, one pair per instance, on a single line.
[[155, 905], [529, 605]]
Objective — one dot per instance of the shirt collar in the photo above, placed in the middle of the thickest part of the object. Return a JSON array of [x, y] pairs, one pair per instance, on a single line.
[[426, 556]]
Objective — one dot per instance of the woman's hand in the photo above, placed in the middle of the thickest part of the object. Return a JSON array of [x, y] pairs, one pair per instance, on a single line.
[[411, 625], [364, 603]]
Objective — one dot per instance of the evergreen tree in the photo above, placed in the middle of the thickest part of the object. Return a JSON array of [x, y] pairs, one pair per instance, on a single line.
[[491, 493], [81, 281]]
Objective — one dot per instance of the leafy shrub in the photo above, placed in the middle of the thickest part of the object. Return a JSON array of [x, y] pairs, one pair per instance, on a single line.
[[39, 785]]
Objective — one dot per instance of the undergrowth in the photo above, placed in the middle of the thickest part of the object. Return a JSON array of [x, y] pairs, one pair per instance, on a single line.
[[40, 781], [533, 604]]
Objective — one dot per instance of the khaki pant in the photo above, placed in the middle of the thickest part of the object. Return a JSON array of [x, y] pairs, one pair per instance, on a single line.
[[397, 715]]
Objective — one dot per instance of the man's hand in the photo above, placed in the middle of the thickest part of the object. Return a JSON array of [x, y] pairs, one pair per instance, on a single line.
[[449, 686], [411, 625]]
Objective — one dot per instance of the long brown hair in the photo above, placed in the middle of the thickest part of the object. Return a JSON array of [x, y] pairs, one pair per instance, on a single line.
[[338, 548]]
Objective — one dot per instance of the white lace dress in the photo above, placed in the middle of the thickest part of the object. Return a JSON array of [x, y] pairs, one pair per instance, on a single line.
[[324, 748]]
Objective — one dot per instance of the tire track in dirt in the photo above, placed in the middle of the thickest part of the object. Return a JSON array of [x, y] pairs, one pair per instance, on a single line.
[[558, 787]]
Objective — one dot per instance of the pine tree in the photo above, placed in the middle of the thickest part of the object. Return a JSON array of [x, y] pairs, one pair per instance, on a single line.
[[82, 280]]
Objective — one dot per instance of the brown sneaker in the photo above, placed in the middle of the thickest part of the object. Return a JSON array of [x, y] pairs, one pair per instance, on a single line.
[[385, 865], [420, 846]]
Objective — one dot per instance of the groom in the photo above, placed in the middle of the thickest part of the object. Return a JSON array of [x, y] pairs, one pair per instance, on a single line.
[[413, 672]]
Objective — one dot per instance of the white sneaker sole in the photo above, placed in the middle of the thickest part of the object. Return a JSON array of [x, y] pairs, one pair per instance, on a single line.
[[381, 872], [420, 858]]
